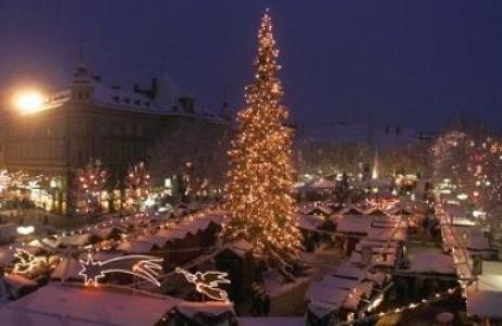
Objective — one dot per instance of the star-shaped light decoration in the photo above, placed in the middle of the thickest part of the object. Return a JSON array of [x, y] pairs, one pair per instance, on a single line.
[[91, 271]]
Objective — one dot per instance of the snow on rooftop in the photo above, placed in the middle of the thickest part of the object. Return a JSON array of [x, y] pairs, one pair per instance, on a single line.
[[339, 282], [385, 234], [352, 210], [376, 260], [105, 233], [67, 269], [377, 246], [214, 308], [349, 271], [484, 304], [322, 184], [309, 222], [77, 240], [432, 262], [137, 247], [317, 210], [354, 224], [321, 293], [62, 305], [323, 308]]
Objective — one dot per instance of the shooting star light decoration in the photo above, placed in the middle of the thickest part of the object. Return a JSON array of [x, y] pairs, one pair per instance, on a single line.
[[207, 283], [145, 267]]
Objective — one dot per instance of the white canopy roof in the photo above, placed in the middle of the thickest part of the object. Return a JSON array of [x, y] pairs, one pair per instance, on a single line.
[[484, 303], [432, 262], [354, 224], [322, 184], [62, 305], [68, 269]]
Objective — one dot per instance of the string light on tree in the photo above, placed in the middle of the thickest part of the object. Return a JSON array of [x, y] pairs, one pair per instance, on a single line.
[[91, 180], [258, 197], [138, 184]]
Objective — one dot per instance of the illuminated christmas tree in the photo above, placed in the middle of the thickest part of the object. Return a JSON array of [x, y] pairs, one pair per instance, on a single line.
[[258, 194]]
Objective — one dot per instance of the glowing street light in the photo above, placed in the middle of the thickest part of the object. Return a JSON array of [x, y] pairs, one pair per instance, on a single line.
[[29, 101]]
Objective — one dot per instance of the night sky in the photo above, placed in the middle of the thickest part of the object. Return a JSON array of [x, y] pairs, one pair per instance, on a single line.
[[413, 63]]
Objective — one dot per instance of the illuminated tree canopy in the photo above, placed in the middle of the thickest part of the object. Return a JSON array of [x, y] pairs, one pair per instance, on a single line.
[[258, 194]]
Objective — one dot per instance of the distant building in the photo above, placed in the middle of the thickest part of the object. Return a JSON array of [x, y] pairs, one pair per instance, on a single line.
[[386, 137], [89, 120]]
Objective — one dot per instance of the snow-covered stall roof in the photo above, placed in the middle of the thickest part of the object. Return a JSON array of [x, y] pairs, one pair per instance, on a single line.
[[309, 222], [240, 247], [216, 216], [483, 299], [377, 278], [68, 269], [322, 308], [476, 239], [400, 210], [454, 211], [105, 233], [61, 305], [387, 234], [333, 297], [352, 210], [215, 308], [77, 240], [349, 271], [137, 247], [432, 262], [375, 211], [376, 260], [324, 210], [354, 224], [484, 304], [339, 282], [322, 183], [377, 246], [173, 234]]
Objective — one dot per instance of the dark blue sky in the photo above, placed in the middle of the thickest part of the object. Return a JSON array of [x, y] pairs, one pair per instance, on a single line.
[[416, 63]]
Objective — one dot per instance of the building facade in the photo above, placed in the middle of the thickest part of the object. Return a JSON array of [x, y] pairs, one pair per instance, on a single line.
[[91, 121]]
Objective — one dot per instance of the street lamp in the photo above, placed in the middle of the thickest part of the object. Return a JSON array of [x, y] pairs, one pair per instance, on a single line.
[[29, 101]]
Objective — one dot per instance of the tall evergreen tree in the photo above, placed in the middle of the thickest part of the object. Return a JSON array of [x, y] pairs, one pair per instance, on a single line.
[[258, 194]]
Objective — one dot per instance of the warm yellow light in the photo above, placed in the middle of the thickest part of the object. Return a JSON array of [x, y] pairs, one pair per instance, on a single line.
[[29, 101]]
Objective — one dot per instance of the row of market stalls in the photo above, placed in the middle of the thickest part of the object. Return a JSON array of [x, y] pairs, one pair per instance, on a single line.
[[188, 242], [372, 240], [57, 257], [375, 239], [344, 293], [476, 266]]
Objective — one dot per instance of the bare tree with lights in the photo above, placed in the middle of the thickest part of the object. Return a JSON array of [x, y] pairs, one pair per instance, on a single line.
[[90, 182], [138, 184], [258, 195], [195, 152]]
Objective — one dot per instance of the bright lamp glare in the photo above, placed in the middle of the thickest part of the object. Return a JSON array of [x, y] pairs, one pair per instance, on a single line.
[[29, 101], [25, 230]]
